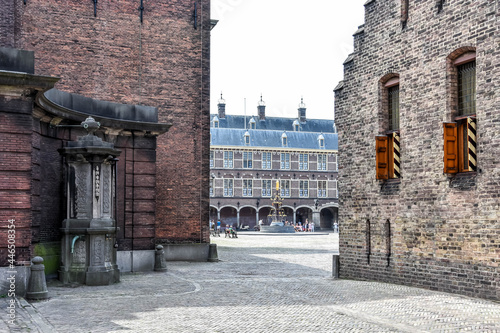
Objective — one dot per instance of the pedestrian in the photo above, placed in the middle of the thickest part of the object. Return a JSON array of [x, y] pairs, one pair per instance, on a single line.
[[335, 227]]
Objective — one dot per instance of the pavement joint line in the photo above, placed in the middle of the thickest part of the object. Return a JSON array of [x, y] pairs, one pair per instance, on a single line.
[[40, 323]]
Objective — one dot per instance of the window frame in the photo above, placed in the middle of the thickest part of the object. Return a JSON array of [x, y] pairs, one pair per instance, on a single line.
[[285, 188], [228, 187], [247, 160], [247, 188], [267, 164], [266, 191], [228, 157], [303, 188], [322, 165], [323, 189], [285, 161], [304, 161]]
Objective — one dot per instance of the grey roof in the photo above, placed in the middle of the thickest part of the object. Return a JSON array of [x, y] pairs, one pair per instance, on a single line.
[[275, 123], [272, 139]]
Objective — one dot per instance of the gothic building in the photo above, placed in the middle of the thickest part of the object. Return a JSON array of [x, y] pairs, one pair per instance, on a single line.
[[141, 69], [417, 115], [248, 155]]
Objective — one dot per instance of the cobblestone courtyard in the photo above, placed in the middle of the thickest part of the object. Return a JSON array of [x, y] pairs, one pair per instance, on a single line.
[[263, 283]]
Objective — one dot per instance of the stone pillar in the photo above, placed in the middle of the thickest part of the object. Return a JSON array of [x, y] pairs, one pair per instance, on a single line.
[[257, 217], [238, 219], [316, 218]]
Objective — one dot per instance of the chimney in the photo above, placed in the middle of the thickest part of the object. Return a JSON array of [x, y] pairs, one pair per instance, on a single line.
[[302, 111], [261, 107], [221, 107]]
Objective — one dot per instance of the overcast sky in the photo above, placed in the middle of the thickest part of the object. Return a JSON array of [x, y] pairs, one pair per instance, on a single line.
[[284, 49]]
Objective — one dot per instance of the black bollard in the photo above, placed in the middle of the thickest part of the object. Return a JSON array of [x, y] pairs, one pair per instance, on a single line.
[[212, 253], [160, 264], [37, 286], [335, 266]]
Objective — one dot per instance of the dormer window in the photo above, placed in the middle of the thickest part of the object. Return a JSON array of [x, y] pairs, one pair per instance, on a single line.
[[215, 122], [284, 140], [247, 138], [321, 141], [252, 123], [296, 125]]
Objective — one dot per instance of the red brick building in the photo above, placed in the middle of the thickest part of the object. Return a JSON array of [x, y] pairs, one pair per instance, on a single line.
[[417, 115], [152, 56]]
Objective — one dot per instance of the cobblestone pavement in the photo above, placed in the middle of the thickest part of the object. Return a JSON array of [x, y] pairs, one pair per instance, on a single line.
[[263, 283]]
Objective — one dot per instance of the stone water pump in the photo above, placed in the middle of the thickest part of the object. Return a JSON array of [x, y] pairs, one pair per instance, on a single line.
[[89, 230]]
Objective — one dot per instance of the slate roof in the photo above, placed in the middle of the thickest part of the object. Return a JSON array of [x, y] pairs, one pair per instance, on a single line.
[[275, 123], [272, 138]]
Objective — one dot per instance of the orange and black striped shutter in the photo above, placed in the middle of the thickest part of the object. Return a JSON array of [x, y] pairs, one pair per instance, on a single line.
[[450, 148], [381, 157], [471, 143], [396, 155]]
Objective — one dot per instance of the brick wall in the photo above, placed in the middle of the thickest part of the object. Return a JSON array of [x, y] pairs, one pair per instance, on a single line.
[[15, 175], [443, 230], [163, 62]]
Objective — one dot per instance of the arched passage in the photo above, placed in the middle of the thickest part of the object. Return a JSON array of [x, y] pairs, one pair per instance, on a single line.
[[248, 217], [302, 214], [228, 215], [328, 216]]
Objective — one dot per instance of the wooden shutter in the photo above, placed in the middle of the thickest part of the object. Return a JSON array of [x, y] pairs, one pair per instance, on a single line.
[[381, 157], [450, 148]]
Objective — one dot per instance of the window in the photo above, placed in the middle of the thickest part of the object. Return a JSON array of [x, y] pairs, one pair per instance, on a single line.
[[266, 161], [303, 162], [247, 187], [211, 158], [285, 161], [303, 188], [211, 187], [215, 122], [393, 102], [460, 135], [247, 138], [296, 126], [228, 159], [228, 187], [247, 160], [252, 123], [285, 188], [322, 189], [284, 140], [322, 161], [321, 141], [387, 157], [266, 187]]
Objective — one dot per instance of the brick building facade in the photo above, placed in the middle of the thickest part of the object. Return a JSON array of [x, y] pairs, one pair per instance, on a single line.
[[250, 154], [417, 115], [145, 55]]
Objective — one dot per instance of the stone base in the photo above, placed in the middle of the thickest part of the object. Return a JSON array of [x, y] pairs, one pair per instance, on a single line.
[[102, 278], [276, 229]]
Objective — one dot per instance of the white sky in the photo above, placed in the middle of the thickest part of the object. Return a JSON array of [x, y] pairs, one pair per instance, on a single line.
[[284, 49]]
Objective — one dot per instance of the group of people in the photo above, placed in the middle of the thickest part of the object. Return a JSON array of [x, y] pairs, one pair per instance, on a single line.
[[306, 227], [229, 231]]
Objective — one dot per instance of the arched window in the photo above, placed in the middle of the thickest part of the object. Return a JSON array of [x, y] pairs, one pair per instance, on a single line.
[[460, 135], [387, 144]]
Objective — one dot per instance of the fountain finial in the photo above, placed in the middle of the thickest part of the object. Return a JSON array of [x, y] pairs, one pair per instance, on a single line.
[[91, 125]]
